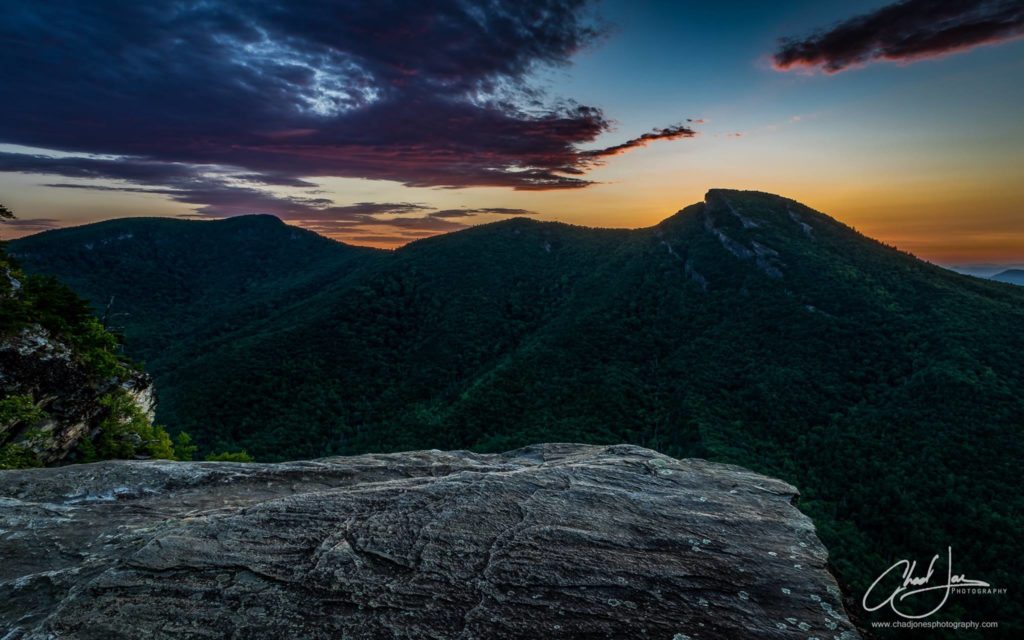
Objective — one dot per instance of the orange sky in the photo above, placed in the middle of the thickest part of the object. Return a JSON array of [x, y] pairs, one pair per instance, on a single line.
[[923, 154]]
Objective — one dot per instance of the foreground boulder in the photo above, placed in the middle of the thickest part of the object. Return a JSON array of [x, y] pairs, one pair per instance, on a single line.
[[551, 541]]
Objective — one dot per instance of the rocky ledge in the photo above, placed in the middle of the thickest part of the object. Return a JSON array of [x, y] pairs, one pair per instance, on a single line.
[[551, 541]]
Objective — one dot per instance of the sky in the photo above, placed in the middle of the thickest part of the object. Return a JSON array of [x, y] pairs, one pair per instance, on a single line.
[[381, 126]]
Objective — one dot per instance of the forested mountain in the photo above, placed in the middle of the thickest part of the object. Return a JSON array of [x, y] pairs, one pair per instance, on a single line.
[[747, 328]]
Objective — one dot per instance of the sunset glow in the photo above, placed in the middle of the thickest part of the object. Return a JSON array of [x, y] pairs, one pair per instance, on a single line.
[[613, 114]]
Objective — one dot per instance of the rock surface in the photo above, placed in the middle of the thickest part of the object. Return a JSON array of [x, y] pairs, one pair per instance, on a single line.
[[551, 541]]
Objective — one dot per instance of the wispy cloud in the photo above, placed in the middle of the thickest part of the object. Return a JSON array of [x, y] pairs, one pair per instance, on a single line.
[[669, 133], [468, 213], [30, 225]]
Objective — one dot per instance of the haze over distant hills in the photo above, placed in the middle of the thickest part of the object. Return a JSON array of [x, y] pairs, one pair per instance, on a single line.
[[982, 270], [746, 328], [1013, 276], [999, 273]]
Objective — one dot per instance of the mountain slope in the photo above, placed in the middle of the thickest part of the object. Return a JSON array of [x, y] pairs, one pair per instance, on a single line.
[[747, 329], [174, 287], [66, 393], [1012, 276]]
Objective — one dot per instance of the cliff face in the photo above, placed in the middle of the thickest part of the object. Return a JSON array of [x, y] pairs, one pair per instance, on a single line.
[[60, 376], [552, 541], [35, 364]]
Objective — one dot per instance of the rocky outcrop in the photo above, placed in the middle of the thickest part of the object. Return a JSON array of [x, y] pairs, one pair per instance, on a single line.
[[767, 259], [62, 379], [551, 541], [44, 368]]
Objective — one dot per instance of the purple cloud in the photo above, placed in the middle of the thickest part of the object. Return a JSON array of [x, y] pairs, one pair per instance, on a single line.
[[30, 225], [669, 133], [905, 31], [468, 213], [219, 194], [423, 93]]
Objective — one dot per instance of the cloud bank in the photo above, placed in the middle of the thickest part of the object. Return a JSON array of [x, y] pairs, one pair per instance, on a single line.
[[905, 31], [211, 102], [216, 194]]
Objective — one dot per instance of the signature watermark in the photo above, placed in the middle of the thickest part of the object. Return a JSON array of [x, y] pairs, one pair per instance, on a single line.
[[901, 589]]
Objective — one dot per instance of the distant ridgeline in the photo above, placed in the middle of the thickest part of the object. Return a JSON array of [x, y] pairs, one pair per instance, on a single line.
[[747, 328], [1013, 276]]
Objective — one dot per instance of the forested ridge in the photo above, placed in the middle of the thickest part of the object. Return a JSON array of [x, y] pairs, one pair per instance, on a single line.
[[747, 329]]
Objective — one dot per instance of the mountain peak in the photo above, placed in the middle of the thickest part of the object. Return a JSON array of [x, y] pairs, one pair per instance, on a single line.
[[734, 200], [768, 212], [254, 219], [721, 191]]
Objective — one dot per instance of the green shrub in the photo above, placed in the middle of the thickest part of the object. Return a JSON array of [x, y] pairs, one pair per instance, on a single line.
[[126, 432], [20, 410], [17, 456], [183, 447], [230, 456]]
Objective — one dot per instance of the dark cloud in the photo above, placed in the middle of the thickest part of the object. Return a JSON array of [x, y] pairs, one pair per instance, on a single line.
[[275, 180], [30, 225], [136, 170], [424, 93], [215, 192], [423, 223], [100, 187], [385, 239], [391, 239], [905, 31], [217, 195], [377, 208], [669, 133], [383, 232], [466, 213], [505, 211]]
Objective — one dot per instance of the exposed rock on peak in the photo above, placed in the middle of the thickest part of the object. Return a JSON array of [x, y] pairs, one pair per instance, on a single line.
[[551, 541], [719, 204], [756, 209]]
